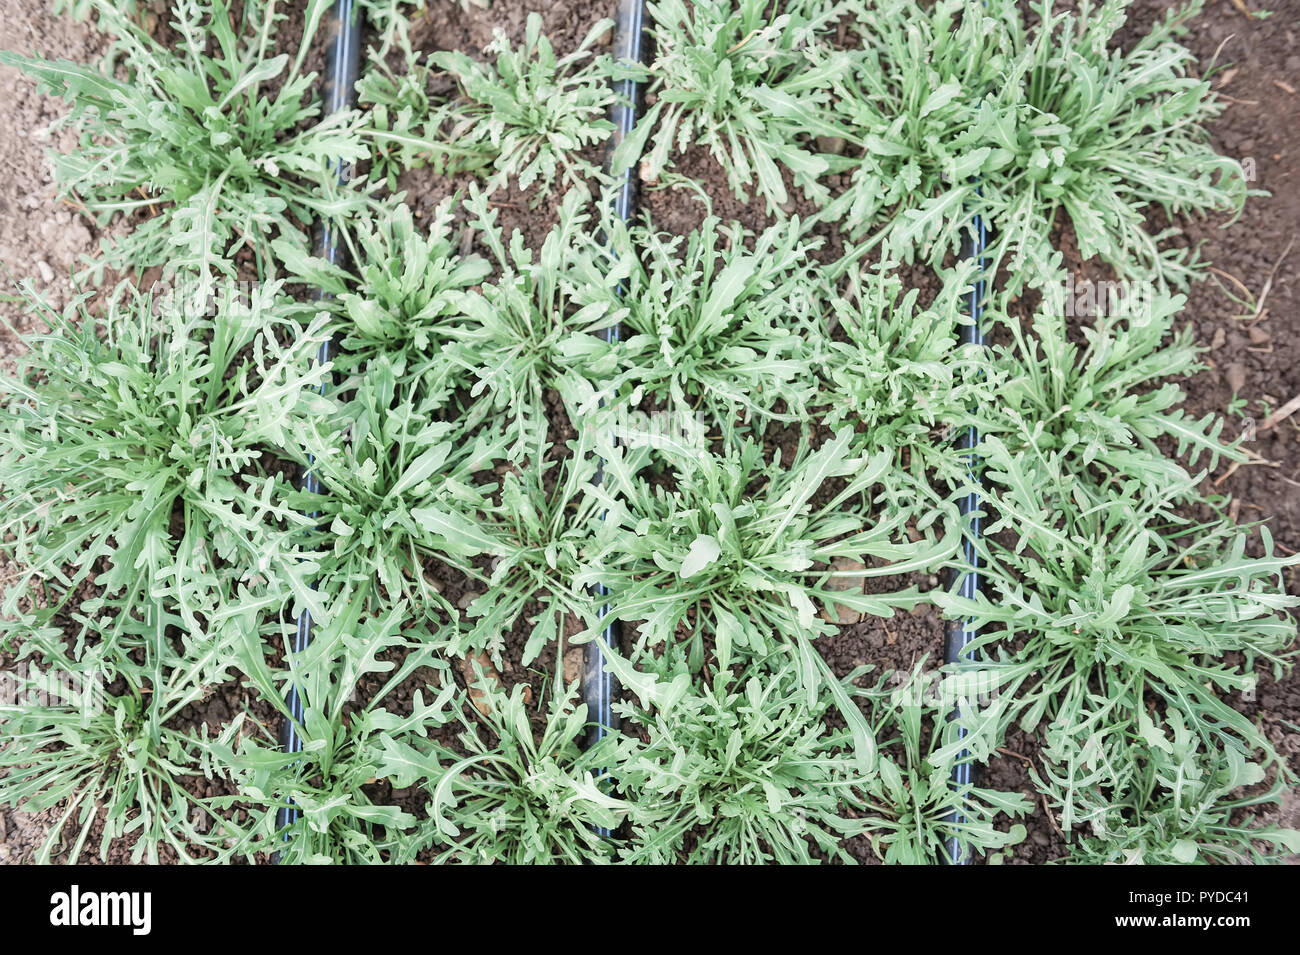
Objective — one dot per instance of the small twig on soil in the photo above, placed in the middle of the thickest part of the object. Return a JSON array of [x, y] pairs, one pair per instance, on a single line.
[[1020, 756], [1047, 811], [1281, 414], [1285, 87], [153, 211], [1245, 10], [1255, 459], [1268, 283], [1261, 311], [80, 207], [1233, 279]]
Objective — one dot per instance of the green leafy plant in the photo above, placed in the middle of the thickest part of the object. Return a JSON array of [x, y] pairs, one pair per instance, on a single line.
[[1114, 603], [916, 120], [1114, 134], [535, 322], [741, 770], [915, 813], [748, 79], [146, 437], [103, 747], [1014, 122], [379, 479], [350, 739], [1156, 792], [536, 535], [198, 138], [725, 321], [402, 301], [508, 793], [738, 551], [1090, 392], [897, 372], [529, 116]]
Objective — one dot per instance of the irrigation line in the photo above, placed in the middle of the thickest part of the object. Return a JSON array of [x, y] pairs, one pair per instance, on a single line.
[[965, 579], [598, 685], [342, 27]]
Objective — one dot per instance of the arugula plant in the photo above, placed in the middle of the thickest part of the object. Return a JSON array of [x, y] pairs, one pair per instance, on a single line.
[[1017, 122], [205, 138], [738, 549], [1156, 792], [520, 334], [537, 538], [1109, 135], [393, 462], [916, 119], [738, 770], [401, 299], [512, 793], [533, 113], [352, 728], [106, 748], [147, 437], [402, 117], [724, 320], [745, 767], [748, 79], [897, 372], [1091, 393], [912, 806], [1115, 602], [528, 115]]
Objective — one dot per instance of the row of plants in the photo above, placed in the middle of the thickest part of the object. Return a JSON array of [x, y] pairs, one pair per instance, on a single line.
[[767, 442]]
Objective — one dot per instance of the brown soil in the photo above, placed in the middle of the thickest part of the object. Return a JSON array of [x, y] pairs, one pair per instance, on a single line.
[[41, 238]]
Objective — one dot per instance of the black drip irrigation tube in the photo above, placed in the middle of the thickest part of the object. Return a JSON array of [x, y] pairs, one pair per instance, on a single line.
[[598, 685], [342, 28], [965, 579]]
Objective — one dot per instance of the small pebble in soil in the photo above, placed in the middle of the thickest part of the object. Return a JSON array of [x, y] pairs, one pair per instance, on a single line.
[[1235, 376], [846, 615], [480, 675], [572, 664]]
